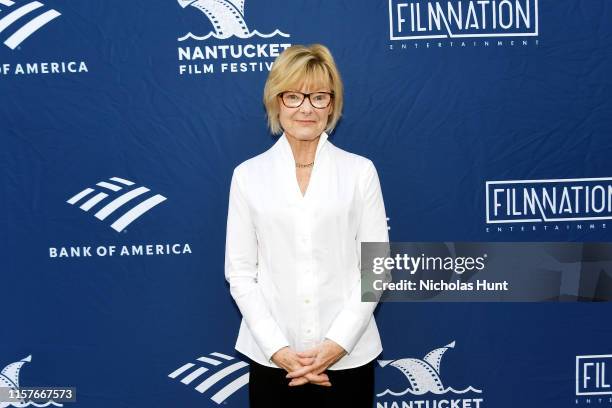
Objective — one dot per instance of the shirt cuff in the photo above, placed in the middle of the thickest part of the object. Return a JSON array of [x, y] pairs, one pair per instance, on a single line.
[[343, 330], [269, 337]]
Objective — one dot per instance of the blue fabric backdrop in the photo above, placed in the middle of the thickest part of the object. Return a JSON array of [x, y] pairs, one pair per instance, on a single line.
[[143, 92]]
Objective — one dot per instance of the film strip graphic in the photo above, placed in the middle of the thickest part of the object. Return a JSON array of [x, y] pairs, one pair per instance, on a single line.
[[222, 375], [25, 18], [88, 200]]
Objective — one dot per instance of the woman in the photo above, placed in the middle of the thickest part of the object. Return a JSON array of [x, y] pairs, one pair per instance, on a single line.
[[298, 214]]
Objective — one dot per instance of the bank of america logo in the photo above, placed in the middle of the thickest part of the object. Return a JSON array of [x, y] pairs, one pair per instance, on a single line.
[[23, 19], [217, 374], [123, 204]]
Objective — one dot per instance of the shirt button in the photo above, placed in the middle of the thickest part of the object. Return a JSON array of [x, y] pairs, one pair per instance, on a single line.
[[308, 331], [307, 301]]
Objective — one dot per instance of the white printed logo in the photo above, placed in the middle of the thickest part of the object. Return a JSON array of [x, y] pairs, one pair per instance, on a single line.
[[231, 375], [424, 378], [9, 378], [548, 201], [121, 209], [21, 17], [423, 375], [89, 200], [457, 19], [594, 375], [236, 56], [583, 199], [227, 19], [18, 21]]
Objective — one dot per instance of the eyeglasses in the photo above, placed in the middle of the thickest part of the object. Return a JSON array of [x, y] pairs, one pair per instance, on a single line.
[[294, 99]]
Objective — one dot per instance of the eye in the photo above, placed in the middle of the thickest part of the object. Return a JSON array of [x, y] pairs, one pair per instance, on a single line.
[[292, 96]]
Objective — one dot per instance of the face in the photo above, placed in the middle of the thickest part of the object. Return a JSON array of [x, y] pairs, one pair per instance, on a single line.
[[305, 122]]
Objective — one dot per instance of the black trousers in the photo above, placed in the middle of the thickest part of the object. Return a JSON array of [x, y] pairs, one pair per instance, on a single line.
[[353, 387]]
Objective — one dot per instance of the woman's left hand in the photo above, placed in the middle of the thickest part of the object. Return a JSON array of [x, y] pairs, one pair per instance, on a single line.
[[325, 354]]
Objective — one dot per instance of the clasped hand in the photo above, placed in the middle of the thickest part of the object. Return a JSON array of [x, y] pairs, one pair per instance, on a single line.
[[309, 366]]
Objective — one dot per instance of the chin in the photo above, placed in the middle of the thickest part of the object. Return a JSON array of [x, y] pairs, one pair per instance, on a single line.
[[308, 133]]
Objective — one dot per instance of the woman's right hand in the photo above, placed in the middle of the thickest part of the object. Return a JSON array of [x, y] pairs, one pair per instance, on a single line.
[[288, 359]]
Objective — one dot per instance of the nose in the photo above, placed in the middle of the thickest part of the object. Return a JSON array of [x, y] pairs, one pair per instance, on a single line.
[[306, 106]]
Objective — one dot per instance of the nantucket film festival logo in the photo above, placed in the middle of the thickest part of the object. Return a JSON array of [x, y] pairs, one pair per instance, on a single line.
[[217, 376], [548, 205], [462, 23], [231, 47], [423, 385], [20, 25], [594, 380], [117, 202], [10, 384]]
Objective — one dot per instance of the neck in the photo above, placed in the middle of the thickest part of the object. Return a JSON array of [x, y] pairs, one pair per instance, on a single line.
[[304, 151]]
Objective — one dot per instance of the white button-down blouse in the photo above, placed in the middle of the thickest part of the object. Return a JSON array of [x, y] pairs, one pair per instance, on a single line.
[[293, 261]]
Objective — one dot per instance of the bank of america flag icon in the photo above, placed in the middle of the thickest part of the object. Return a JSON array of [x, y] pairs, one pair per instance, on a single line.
[[124, 209], [21, 19], [216, 375]]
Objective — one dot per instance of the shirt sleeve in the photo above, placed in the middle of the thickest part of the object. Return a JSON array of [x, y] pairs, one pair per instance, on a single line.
[[241, 273], [348, 327]]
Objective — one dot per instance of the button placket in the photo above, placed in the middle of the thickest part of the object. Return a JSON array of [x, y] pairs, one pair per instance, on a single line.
[[306, 282]]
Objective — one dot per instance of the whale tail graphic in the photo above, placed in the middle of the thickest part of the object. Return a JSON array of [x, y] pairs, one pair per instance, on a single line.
[[434, 357], [185, 3], [226, 16], [423, 375], [9, 376]]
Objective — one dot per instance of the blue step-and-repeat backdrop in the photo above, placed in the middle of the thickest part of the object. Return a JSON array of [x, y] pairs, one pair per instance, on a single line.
[[121, 123]]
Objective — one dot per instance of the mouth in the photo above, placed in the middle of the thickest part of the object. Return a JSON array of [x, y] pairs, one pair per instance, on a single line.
[[306, 122]]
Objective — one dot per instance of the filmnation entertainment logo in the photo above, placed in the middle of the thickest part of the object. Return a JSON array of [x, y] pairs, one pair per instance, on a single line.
[[594, 375], [428, 24], [594, 379], [420, 20], [553, 200]]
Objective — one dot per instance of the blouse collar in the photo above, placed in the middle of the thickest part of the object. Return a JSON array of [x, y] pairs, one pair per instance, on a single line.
[[285, 147]]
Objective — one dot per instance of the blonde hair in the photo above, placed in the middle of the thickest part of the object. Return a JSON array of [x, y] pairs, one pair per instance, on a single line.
[[295, 67]]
